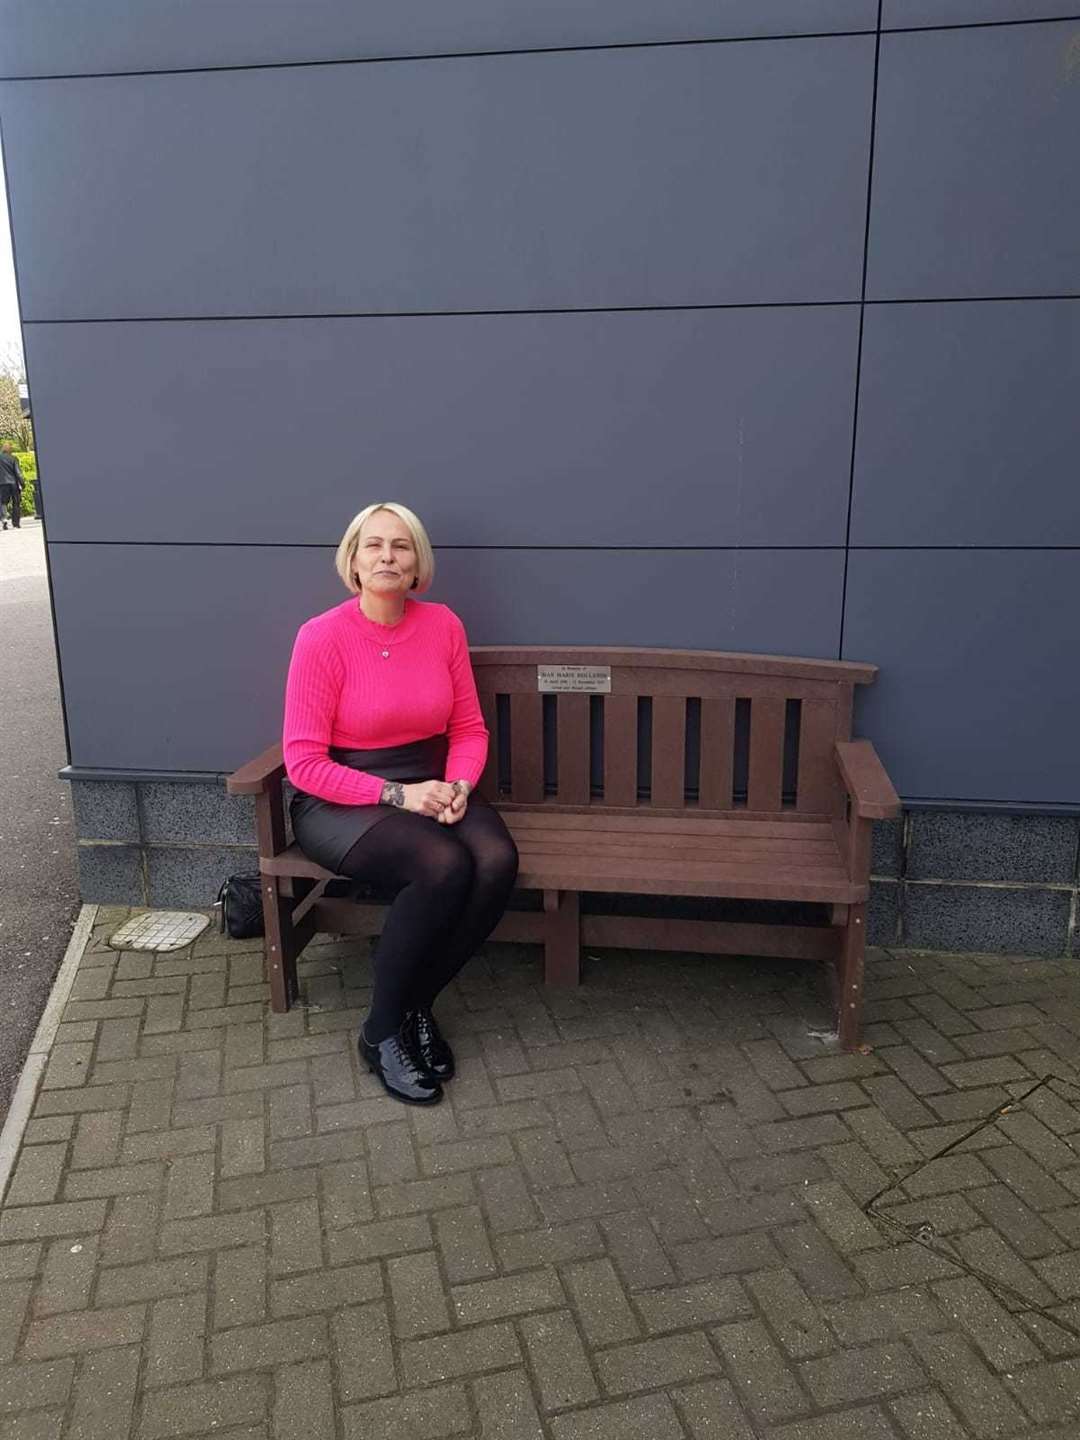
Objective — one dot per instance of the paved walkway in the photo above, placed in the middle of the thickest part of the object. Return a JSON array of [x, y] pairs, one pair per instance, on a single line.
[[646, 1209]]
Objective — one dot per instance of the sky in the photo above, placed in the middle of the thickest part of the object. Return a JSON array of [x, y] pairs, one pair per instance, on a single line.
[[10, 339]]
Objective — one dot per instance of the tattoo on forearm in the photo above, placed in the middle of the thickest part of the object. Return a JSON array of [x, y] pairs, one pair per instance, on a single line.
[[393, 794], [463, 787]]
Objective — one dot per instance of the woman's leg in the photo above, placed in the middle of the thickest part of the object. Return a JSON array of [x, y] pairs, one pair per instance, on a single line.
[[483, 834], [432, 871]]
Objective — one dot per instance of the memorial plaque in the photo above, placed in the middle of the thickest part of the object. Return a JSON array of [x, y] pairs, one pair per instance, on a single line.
[[573, 679]]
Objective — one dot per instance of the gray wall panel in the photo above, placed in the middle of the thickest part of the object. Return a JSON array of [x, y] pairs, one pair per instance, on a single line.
[[687, 175], [896, 13], [713, 427], [979, 688], [774, 601], [974, 176], [153, 683], [969, 426], [71, 37]]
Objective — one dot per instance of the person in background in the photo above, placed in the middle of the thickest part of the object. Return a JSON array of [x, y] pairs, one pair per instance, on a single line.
[[384, 740], [11, 483]]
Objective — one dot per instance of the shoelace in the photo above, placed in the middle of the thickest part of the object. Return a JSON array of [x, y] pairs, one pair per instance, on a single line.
[[405, 1052]]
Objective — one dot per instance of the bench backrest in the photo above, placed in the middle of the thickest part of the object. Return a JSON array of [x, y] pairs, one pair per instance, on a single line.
[[666, 729]]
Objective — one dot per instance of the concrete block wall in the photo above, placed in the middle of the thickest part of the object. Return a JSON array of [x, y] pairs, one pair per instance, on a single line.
[[941, 880], [977, 880]]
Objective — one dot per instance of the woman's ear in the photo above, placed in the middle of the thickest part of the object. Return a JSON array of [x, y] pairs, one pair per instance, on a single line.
[[415, 582]]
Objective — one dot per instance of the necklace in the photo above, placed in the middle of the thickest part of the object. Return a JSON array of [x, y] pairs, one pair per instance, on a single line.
[[384, 644]]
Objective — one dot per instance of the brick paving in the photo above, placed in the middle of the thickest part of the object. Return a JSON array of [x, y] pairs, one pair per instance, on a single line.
[[661, 1206]]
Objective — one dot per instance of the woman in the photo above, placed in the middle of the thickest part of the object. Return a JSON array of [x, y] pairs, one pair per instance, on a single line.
[[385, 741]]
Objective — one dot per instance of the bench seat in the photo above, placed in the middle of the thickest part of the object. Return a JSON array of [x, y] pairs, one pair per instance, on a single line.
[[743, 860]]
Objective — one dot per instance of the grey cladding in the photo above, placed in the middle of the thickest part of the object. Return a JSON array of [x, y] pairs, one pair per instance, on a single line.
[[71, 37], [770, 601], [974, 165], [977, 695], [969, 425], [685, 175], [195, 699], [717, 427], [587, 477], [898, 13]]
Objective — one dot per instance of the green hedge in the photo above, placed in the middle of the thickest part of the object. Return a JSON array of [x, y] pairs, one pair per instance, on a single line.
[[28, 465]]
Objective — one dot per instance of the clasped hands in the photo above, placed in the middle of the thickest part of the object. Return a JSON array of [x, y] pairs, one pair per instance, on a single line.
[[440, 800]]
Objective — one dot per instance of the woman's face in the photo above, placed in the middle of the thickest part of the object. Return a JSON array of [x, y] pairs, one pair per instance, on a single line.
[[385, 562]]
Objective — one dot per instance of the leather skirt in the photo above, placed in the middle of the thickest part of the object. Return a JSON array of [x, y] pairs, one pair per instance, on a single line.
[[327, 831]]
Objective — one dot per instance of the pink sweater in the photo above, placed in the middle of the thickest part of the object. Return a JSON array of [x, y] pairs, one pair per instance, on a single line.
[[344, 691]]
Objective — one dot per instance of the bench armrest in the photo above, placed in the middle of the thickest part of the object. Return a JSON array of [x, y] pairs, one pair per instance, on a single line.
[[865, 779], [258, 775]]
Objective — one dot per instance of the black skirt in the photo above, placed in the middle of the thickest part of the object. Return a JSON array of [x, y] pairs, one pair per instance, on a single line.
[[327, 831]]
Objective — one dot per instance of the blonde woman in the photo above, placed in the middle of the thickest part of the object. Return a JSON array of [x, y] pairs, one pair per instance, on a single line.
[[384, 741]]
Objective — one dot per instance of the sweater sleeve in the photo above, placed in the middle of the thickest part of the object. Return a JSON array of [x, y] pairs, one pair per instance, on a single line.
[[315, 678], [468, 735]]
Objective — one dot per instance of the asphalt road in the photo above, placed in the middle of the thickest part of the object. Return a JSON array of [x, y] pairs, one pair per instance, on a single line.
[[39, 897]]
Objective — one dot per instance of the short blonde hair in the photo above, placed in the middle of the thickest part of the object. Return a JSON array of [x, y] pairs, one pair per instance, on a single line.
[[350, 541]]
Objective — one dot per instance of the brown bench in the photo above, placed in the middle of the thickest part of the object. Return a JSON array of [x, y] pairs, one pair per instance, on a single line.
[[657, 772]]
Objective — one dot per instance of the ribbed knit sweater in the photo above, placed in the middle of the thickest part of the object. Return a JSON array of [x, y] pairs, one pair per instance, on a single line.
[[357, 685]]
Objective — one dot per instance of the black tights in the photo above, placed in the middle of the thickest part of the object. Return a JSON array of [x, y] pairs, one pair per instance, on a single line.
[[452, 884]]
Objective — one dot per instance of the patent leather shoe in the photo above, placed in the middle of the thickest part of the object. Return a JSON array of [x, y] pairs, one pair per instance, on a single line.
[[429, 1044], [396, 1063]]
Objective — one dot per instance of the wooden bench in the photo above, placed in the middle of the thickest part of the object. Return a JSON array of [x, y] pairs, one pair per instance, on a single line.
[[669, 772]]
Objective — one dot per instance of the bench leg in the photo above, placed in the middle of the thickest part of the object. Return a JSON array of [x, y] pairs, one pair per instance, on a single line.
[[562, 937], [281, 947], [852, 953]]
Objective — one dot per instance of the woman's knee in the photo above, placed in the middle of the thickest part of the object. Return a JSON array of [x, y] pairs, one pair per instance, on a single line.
[[497, 863], [446, 865]]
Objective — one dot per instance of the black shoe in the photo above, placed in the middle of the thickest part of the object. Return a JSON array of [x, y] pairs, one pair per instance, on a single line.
[[400, 1069], [430, 1046]]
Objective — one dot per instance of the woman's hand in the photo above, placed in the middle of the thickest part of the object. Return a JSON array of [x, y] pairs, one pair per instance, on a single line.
[[458, 805], [427, 797]]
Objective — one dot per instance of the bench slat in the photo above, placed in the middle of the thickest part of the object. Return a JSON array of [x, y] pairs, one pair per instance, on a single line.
[[668, 751], [641, 822], [766, 752], [715, 785], [620, 750], [527, 741], [784, 668], [819, 854], [816, 784], [643, 679], [731, 881], [572, 729]]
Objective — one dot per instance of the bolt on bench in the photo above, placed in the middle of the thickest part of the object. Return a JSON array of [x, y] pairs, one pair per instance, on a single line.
[[646, 772]]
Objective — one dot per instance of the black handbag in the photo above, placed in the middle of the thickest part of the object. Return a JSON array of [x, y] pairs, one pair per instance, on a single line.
[[239, 907]]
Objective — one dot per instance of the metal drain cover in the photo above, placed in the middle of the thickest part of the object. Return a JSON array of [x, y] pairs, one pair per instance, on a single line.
[[159, 930]]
